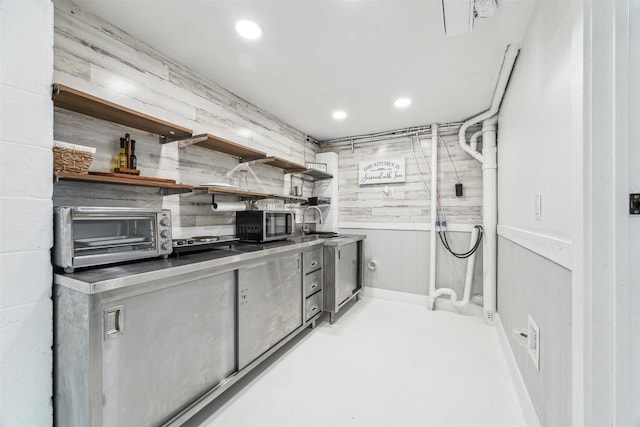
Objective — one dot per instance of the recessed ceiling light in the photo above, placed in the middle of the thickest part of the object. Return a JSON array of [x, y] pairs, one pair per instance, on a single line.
[[249, 29], [402, 102], [339, 115]]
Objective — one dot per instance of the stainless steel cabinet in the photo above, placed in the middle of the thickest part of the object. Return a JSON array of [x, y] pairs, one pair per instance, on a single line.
[[127, 359], [269, 306], [152, 343], [343, 267]]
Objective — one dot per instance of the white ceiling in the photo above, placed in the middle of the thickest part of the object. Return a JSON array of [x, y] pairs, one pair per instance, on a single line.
[[317, 56]]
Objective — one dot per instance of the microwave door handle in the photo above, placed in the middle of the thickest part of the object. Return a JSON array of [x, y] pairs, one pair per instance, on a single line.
[[290, 225]]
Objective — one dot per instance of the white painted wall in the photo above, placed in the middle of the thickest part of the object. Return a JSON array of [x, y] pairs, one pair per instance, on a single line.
[[634, 225], [26, 63], [535, 150], [539, 135]]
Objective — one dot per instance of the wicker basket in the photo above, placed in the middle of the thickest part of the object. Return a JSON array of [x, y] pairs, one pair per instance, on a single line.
[[72, 158]]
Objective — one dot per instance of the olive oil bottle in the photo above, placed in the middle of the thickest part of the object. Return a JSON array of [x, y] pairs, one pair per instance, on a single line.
[[122, 157]]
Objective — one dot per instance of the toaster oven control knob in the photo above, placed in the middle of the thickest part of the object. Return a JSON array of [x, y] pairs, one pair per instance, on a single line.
[[165, 234], [164, 222], [166, 246]]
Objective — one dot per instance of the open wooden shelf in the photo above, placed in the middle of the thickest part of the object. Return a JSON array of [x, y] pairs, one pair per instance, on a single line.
[[166, 185], [222, 145], [80, 102], [230, 191], [289, 167], [317, 174]]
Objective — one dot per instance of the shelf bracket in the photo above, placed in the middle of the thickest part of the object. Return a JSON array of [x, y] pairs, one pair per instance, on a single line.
[[255, 161], [165, 139]]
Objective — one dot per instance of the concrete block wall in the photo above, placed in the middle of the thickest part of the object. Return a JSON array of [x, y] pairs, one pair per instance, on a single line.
[[26, 133]]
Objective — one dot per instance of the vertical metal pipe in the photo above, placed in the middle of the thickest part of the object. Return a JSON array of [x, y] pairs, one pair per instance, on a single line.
[[434, 215], [489, 215]]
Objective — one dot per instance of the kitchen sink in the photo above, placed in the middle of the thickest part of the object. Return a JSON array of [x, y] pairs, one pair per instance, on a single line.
[[306, 238], [324, 234]]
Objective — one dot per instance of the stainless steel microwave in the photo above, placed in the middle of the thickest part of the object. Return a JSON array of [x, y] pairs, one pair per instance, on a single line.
[[264, 226], [89, 236]]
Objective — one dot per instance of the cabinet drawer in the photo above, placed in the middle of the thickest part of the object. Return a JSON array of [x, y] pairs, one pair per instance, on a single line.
[[313, 305], [312, 282], [312, 260]]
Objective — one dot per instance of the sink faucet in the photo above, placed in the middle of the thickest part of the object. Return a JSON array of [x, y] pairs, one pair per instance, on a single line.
[[304, 215]]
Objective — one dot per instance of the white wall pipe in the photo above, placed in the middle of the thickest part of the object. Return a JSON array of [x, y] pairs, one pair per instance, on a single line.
[[453, 296], [471, 263], [490, 216], [505, 72], [474, 141], [434, 215]]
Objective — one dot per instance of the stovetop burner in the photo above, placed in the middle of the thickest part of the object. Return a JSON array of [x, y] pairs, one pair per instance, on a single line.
[[201, 243]]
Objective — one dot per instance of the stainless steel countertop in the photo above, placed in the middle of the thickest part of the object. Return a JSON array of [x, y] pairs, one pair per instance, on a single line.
[[107, 278], [343, 239]]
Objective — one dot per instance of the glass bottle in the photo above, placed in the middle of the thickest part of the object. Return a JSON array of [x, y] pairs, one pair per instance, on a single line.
[[243, 181], [122, 157], [133, 160]]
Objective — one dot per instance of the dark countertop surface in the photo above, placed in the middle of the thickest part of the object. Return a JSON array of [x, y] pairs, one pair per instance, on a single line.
[[100, 279]]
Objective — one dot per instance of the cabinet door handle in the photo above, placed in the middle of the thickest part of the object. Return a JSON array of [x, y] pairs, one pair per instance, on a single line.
[[113, 321]]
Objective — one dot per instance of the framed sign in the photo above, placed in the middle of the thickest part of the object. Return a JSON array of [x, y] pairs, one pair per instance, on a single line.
[[381, 171]]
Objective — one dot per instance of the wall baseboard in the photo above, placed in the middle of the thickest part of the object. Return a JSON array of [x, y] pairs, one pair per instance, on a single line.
[[557, 250], [416, 299], [528, 410], [386, 294]]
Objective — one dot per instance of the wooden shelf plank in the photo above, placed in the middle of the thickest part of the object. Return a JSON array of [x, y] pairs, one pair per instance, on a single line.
[[225, 146], [230, 191], [317, 174], [139, 181], [288, 166], [80, 102]]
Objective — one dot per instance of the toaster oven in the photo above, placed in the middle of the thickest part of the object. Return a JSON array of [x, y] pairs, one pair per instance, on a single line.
[[90, 236]]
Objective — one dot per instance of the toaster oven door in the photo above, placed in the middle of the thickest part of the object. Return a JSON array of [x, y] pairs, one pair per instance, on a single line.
[[100, 239]]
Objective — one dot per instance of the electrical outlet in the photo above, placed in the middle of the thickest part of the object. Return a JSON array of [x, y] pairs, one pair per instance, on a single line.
[[533, 342]]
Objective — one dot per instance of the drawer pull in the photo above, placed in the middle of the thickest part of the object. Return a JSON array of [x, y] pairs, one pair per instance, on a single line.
[[314, 285], [314, 263], [314, 308]]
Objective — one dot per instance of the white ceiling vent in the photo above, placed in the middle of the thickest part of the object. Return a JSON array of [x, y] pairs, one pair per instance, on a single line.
[[458, 15]]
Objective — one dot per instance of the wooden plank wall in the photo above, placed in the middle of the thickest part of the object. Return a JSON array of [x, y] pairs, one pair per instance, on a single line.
[[409, 202], [93, 56]]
